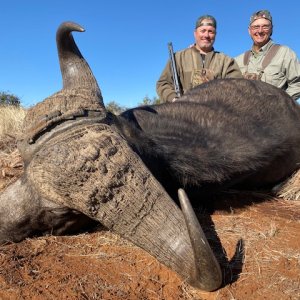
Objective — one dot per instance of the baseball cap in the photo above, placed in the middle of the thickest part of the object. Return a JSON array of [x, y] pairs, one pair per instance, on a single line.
[[211, 19], [261, 14]]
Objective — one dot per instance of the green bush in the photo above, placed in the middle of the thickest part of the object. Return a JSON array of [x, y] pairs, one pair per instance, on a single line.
[[9, 99]]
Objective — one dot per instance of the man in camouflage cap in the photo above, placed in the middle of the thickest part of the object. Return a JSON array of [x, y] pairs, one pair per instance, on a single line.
[[265, 14], [206, 20], [198, 63], [267, 61]]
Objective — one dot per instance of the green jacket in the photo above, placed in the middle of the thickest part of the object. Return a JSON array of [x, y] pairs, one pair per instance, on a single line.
[[283, 71], [188, 63]]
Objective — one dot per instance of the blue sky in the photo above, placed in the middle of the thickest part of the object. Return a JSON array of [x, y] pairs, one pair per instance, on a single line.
[[125, 42]]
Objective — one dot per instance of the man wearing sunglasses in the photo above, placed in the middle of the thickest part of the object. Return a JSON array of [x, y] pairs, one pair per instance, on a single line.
[[267, 61]]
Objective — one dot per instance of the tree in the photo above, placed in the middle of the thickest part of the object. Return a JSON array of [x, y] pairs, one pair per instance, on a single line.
[[7, 98], [115, 108], [148, 101]]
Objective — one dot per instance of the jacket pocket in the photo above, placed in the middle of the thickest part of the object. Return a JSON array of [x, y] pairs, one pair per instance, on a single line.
[[274, 76]]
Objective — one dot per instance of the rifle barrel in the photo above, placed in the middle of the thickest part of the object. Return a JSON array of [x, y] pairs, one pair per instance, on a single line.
[[174, 70]]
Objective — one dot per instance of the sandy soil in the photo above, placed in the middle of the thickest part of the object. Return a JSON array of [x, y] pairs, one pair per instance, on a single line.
[[257, 245]]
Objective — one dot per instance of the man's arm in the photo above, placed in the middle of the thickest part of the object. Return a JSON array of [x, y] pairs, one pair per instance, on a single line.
[[233, 69], [225, 66], [292, 66], [165, 85]]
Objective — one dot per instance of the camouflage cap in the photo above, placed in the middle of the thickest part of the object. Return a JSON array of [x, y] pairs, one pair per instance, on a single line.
[[261, 14], [212, 21]]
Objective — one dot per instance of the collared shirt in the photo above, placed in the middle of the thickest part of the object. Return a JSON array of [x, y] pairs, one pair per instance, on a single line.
[[283, 71]]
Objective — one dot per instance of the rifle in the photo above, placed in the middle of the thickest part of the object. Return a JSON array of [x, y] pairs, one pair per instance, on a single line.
[[174, 71]]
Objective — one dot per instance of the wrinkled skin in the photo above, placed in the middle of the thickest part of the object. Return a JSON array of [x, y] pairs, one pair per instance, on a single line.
[[84, 165]]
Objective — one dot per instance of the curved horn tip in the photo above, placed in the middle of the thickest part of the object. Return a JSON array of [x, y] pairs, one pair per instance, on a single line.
[[70, 26], [207, 274]]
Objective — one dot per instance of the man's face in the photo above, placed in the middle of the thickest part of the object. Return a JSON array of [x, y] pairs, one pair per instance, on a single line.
[[260, 31], [205, 36]]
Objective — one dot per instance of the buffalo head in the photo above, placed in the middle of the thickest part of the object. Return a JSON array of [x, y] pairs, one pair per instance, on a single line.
[[78, 163]]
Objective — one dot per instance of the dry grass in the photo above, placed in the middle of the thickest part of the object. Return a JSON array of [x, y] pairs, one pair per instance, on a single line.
[[11, 165], [290, 190], [11, 120]]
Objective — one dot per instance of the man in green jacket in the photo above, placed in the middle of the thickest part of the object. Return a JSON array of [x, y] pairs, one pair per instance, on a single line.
[[269, 62], [198, 63]]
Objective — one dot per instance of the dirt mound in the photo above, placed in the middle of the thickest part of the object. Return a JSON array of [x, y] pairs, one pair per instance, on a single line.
[[260, 259]]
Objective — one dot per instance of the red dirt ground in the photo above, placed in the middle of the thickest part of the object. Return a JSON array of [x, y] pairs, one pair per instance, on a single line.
[[258, 247]]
